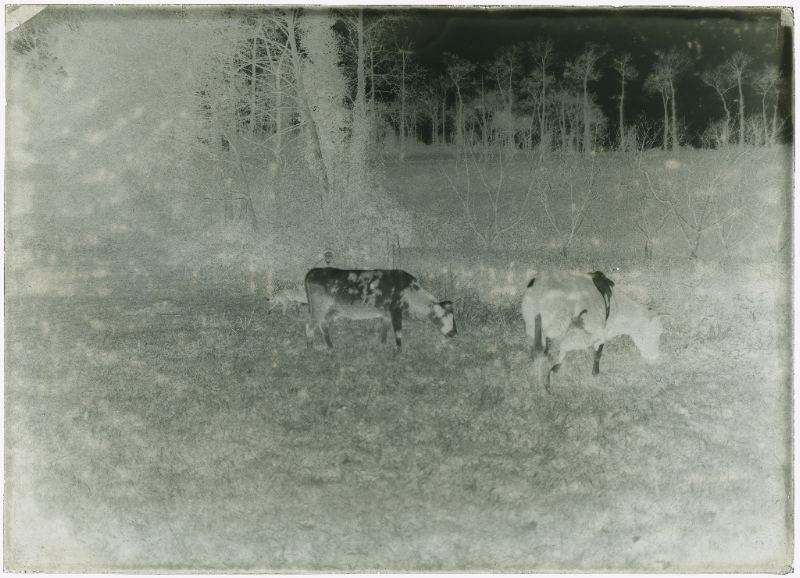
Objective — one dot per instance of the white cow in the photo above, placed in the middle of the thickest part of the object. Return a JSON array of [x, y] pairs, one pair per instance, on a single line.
[[568, 311]]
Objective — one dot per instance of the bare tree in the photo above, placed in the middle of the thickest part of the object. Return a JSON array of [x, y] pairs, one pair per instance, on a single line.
[[720, 82], [278, 88], [738, 218], [583, 70], [569, 112], [669, 65], [531, 90], [459, 71], [440, 85], [543, 55], [360, 120], [736, 68], [626, 72], [693, 198], [567, 221], [402, 78], [487, 108], [766, 83], [491, 212], [658, 82], [650, 219], [505, 65], [370, 59], [430, 97], [288, 22]]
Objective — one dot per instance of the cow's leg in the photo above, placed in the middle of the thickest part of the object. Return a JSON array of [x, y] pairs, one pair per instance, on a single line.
[[324, 327], [397, 325], [598, 352], [537, 335], [387, 323], [310, 331], [550, 349], [541, 357], [309, 334]]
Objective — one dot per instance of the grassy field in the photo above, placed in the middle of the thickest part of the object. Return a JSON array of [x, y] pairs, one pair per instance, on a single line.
[[185, 428]]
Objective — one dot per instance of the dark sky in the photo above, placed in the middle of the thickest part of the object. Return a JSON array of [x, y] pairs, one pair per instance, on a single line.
[[709, 37]]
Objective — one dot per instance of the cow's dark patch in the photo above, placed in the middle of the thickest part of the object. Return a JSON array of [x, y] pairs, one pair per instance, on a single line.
[[604, 285], [379, 289], [598, 353], [578, 321], [531, 282]]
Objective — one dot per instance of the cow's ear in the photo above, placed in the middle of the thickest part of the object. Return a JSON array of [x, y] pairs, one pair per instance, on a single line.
[[447, 306]]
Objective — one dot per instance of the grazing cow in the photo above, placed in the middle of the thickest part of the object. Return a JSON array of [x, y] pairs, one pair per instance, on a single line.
[[377, 293], [286, 297], [569, 311]]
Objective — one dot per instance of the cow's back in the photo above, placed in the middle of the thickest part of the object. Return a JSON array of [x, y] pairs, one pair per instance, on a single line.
[[561, 298], [356, 288]]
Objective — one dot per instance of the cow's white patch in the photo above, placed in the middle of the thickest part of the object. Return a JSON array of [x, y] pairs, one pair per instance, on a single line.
[[447, 324]]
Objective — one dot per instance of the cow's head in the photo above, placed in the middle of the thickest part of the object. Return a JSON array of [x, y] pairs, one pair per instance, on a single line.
[[442, 315]]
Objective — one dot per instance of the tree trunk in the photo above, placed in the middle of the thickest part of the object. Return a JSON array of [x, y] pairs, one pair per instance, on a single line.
[[664, 98], [253, 86], [278, 116], [459, 119], [764, 118], [434, 122], [543, 106], [360, 124], [696, 247], [741, 110], [444, 120], [371, 79], [302, 97], [673, 100], [403, 105], [773, 138], [587, 133], [622, 115], [374, 121]]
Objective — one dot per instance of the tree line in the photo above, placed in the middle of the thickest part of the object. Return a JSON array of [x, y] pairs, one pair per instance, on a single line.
[[524, 96], [323, 93]]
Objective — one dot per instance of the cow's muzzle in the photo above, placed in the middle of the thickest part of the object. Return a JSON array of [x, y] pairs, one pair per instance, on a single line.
[[451, 333]]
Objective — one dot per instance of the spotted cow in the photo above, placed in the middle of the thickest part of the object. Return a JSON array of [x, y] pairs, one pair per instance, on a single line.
[[370, 294]]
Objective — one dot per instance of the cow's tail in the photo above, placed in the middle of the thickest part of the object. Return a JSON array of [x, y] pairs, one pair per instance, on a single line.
[[307, 285], [310, 320], [538, 341]]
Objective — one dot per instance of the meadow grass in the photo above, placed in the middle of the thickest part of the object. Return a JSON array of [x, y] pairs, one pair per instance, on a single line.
[[188, 429]]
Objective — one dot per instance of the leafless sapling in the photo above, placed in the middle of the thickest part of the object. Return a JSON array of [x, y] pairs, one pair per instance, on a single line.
[[566, 209], [489, 212]]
